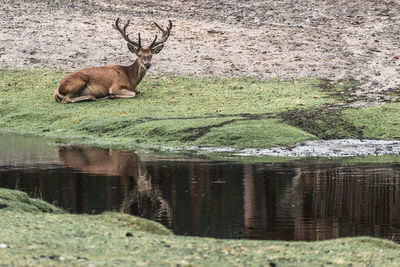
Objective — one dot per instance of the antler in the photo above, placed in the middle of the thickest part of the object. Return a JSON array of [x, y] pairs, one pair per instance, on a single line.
[[165, 35], [126, 36]]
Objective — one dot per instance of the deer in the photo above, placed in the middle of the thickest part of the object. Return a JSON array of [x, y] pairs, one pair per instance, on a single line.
[[112, 81]]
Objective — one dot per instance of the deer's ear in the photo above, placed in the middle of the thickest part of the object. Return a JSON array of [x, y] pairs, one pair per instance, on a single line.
[[133, 49], [157, 49]]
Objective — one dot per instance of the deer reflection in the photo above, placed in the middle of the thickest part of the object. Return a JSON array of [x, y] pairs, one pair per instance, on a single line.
[[259, 201], [139, 195]]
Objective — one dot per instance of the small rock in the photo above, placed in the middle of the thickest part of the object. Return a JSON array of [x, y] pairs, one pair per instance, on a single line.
[[128, 234], [3, 245]]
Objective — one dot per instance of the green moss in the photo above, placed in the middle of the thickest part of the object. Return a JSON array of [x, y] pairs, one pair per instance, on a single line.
[[323, 123], [169, 111], [254, 133], [182, 112], [11, 200], [48, 239], [378, 122]]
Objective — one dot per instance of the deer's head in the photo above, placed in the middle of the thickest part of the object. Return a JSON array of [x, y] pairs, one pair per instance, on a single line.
[[145, 54]]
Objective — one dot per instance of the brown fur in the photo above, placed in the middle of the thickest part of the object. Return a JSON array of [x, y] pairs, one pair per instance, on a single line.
[[114, 81], [101, 82]]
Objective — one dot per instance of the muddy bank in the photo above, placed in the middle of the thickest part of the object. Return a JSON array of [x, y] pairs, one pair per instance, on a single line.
[[331, 148], [314, 148], [267, 39]]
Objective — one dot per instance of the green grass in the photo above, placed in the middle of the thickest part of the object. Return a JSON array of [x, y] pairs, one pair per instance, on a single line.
[[182, 112], [11, 200], [254, 133], [386, 121], [50, 237], [169, 111]]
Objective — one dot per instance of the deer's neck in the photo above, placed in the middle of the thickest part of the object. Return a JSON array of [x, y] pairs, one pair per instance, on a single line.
[[136, 73]]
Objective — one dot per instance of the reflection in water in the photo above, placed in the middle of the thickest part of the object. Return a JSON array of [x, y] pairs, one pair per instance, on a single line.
[[137, 192], [347, 202], [292, 201]]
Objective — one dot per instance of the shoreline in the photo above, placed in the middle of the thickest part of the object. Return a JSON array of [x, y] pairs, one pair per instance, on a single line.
[[46, 235], [241, 117]]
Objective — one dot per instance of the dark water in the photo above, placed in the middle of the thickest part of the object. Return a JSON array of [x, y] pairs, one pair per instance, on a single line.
[[285, 201]]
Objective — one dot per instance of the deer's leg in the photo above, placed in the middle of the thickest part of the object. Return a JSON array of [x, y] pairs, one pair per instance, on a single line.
[[121, 93], [73, 87], [68, 99]]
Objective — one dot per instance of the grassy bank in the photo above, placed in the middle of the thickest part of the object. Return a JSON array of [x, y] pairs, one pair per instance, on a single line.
[[45, 235], [179, 111]]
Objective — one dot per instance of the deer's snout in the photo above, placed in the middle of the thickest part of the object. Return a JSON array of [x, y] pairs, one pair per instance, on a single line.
[[147, 65]]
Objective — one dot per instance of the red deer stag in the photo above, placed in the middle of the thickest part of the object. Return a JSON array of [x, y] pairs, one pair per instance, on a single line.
[[109, 82]]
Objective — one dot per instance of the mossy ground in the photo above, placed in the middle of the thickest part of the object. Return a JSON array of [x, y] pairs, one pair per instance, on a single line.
[[182, 112], [177, 111], [49, 237]]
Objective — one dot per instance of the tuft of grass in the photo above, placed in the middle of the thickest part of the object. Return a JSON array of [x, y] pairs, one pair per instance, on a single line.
[[62, 239], [11, 200]]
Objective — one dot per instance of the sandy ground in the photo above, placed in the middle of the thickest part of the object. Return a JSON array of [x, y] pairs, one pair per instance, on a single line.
[[285, 39]]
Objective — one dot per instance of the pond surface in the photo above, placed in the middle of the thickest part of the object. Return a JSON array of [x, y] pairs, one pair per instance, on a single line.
[[300, 200]]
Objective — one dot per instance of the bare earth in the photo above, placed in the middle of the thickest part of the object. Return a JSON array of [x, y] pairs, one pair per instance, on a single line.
[[311, 148], [285, 39]]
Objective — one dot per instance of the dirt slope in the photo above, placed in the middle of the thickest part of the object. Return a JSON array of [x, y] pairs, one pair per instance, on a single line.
[[286, 39]]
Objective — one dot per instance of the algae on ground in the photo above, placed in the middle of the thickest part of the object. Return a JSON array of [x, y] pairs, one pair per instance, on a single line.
[[43, 238]]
